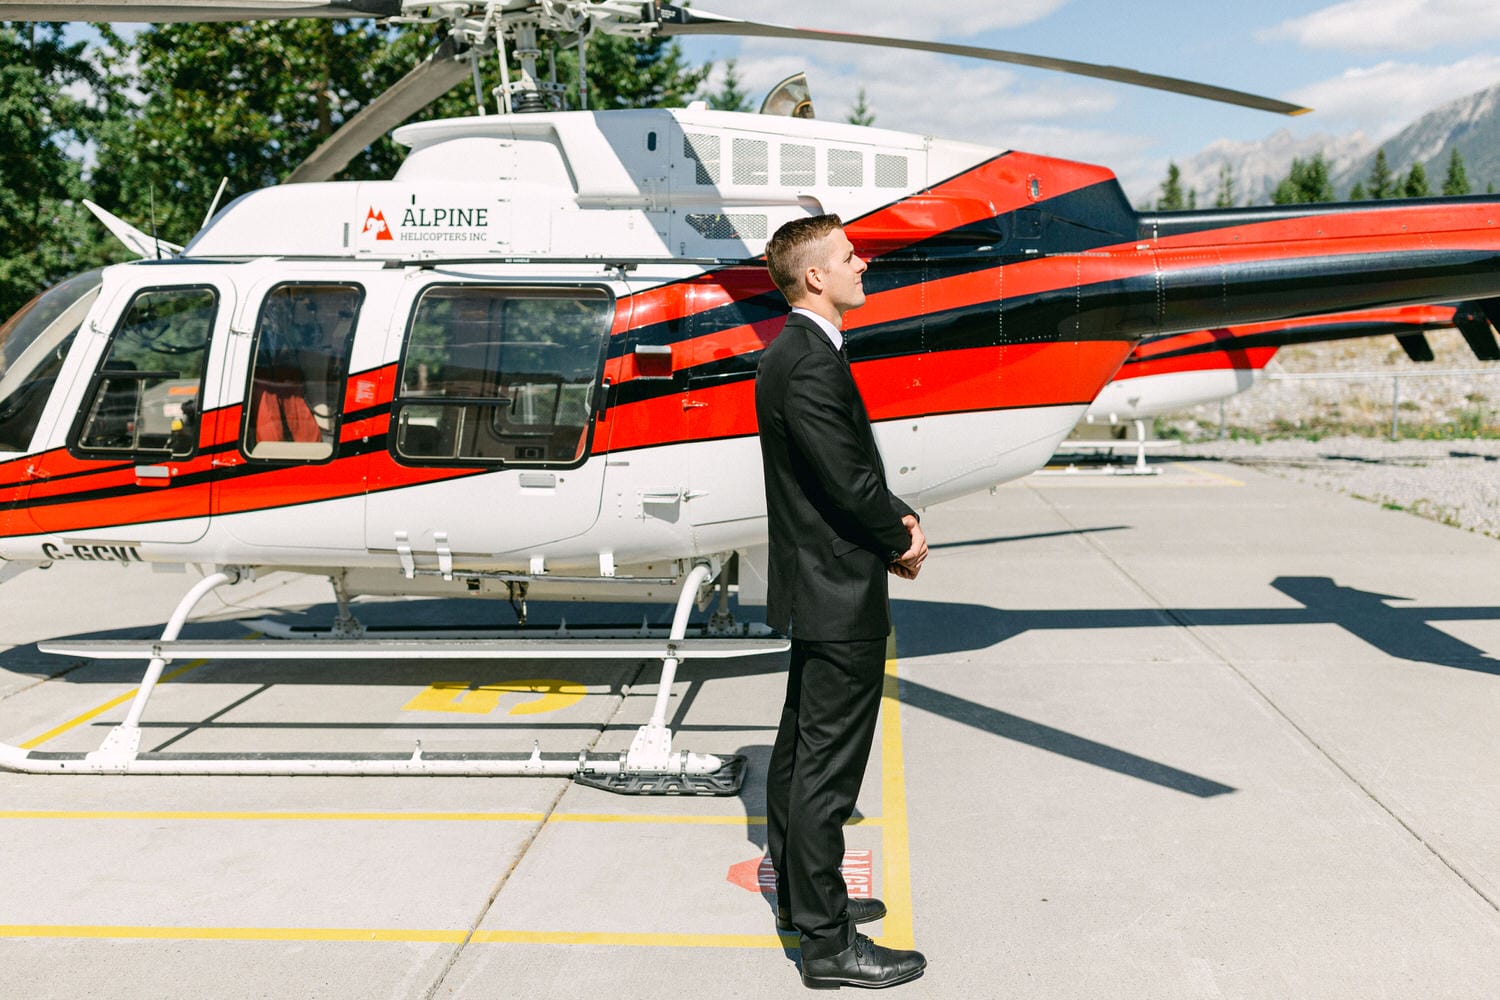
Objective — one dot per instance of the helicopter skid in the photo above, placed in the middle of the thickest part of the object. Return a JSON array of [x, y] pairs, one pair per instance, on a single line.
[[693, 774], [649, 767]]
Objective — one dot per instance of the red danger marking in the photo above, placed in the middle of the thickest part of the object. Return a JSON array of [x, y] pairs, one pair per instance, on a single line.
[[757, 875]]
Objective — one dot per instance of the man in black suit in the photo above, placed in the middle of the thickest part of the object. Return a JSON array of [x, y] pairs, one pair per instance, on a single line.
[[836, 530]]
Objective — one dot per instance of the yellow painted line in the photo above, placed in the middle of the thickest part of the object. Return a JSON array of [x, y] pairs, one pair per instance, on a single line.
[[230, 933], [895, 842], [96, 712], [400, 935], [637, 940]]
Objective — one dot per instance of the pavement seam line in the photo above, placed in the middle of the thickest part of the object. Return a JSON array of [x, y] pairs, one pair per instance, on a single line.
[[489, 904], [1207, 646]]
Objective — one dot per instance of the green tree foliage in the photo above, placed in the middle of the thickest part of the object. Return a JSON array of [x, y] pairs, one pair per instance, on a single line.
[[1224, 195], [1358, 193], [1172, 198], [1306, 183], [1415, 185], [1457, 180], [1382, 184], [861, 113], [48, 234], [730, 96]]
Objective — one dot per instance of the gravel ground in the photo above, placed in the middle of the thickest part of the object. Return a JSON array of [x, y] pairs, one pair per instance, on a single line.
[[1335, 433], [1456, 482]]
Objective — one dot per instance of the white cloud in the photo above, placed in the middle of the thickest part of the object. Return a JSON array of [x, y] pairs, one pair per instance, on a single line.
[[927, 94], [1384, 98], [949, 19], [1399, 24]]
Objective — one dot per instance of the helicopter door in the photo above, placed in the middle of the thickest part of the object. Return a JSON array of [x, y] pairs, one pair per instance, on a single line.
[[139, 453], [288, 378], [488, 452]]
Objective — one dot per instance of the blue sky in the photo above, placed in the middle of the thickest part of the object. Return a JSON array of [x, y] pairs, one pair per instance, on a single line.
[[1370, 65]]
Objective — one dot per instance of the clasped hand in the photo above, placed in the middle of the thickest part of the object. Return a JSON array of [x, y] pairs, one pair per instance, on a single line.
[[909, 563]]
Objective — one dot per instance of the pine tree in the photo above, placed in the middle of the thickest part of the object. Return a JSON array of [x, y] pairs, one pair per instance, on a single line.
[[729, 96], [1357, 192], [861, 113], [1172, 199], [1457, 181], [1382, 184], [1224, 197], [1415, 185], [1306, 183]]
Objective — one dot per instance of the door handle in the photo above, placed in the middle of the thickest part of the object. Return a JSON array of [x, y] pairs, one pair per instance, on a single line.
[[153, 475]]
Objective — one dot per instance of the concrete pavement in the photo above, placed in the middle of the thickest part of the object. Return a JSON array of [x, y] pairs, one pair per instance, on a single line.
[[1209, 733]]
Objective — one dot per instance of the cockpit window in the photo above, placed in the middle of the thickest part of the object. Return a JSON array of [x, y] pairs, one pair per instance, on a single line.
[[33, 344], [145, 399]]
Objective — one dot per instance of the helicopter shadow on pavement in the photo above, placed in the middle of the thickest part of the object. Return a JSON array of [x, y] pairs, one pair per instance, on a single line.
[[1408, 633]]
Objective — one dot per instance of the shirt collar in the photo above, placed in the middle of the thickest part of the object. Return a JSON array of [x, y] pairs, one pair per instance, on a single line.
[[833, 332]]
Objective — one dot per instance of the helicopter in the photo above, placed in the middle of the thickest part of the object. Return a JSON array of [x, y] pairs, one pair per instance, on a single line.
[[522, 368], [1177, 371]]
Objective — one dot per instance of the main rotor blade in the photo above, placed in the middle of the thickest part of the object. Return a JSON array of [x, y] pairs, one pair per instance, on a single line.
[[182, 11], [434, 77], [684, 21]]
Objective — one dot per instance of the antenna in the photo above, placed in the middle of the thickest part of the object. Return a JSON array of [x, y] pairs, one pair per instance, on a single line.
[[214, 205], [154, 238]]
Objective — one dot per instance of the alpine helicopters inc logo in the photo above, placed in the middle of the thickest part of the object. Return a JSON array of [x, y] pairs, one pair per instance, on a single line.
[[429, 224]]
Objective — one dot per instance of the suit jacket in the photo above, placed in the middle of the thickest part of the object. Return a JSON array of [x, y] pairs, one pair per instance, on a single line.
[[834, 525]]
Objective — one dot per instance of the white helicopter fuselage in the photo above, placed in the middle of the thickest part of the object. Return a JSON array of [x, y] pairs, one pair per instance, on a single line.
[[638, 221]]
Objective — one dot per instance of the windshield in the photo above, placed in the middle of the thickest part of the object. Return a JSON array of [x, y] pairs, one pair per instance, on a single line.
[[33, 344]]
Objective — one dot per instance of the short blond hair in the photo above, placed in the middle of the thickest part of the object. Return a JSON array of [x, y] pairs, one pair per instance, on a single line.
[[790, 251]]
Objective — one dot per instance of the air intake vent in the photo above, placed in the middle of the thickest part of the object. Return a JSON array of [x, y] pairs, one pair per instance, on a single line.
[[751, 162], [703, 150], [846, 168], [890, 171], [745, 226]]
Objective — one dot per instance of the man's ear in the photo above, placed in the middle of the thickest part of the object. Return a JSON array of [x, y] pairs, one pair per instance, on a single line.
[[813, 279]]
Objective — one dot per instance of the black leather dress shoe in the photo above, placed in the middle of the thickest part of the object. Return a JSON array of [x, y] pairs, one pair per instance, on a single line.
[[863, 963], [861, 911]]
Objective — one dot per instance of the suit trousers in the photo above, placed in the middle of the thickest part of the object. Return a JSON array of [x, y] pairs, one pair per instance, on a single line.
[[817, 766]]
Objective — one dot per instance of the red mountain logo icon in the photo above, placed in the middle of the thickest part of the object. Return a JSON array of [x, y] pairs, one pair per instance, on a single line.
[[376, 221]]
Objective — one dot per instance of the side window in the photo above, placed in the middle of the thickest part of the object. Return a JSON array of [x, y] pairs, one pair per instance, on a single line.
[[500, 375], [296, 378], [146, 397]]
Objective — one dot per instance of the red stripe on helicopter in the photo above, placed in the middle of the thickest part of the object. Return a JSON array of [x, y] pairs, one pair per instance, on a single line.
[[1037, 374]]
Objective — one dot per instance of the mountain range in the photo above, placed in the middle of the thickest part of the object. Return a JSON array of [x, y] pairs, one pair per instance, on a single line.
[[1470, 124]]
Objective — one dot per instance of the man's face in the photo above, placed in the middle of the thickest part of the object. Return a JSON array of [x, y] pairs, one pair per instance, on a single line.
[[843, 274]]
